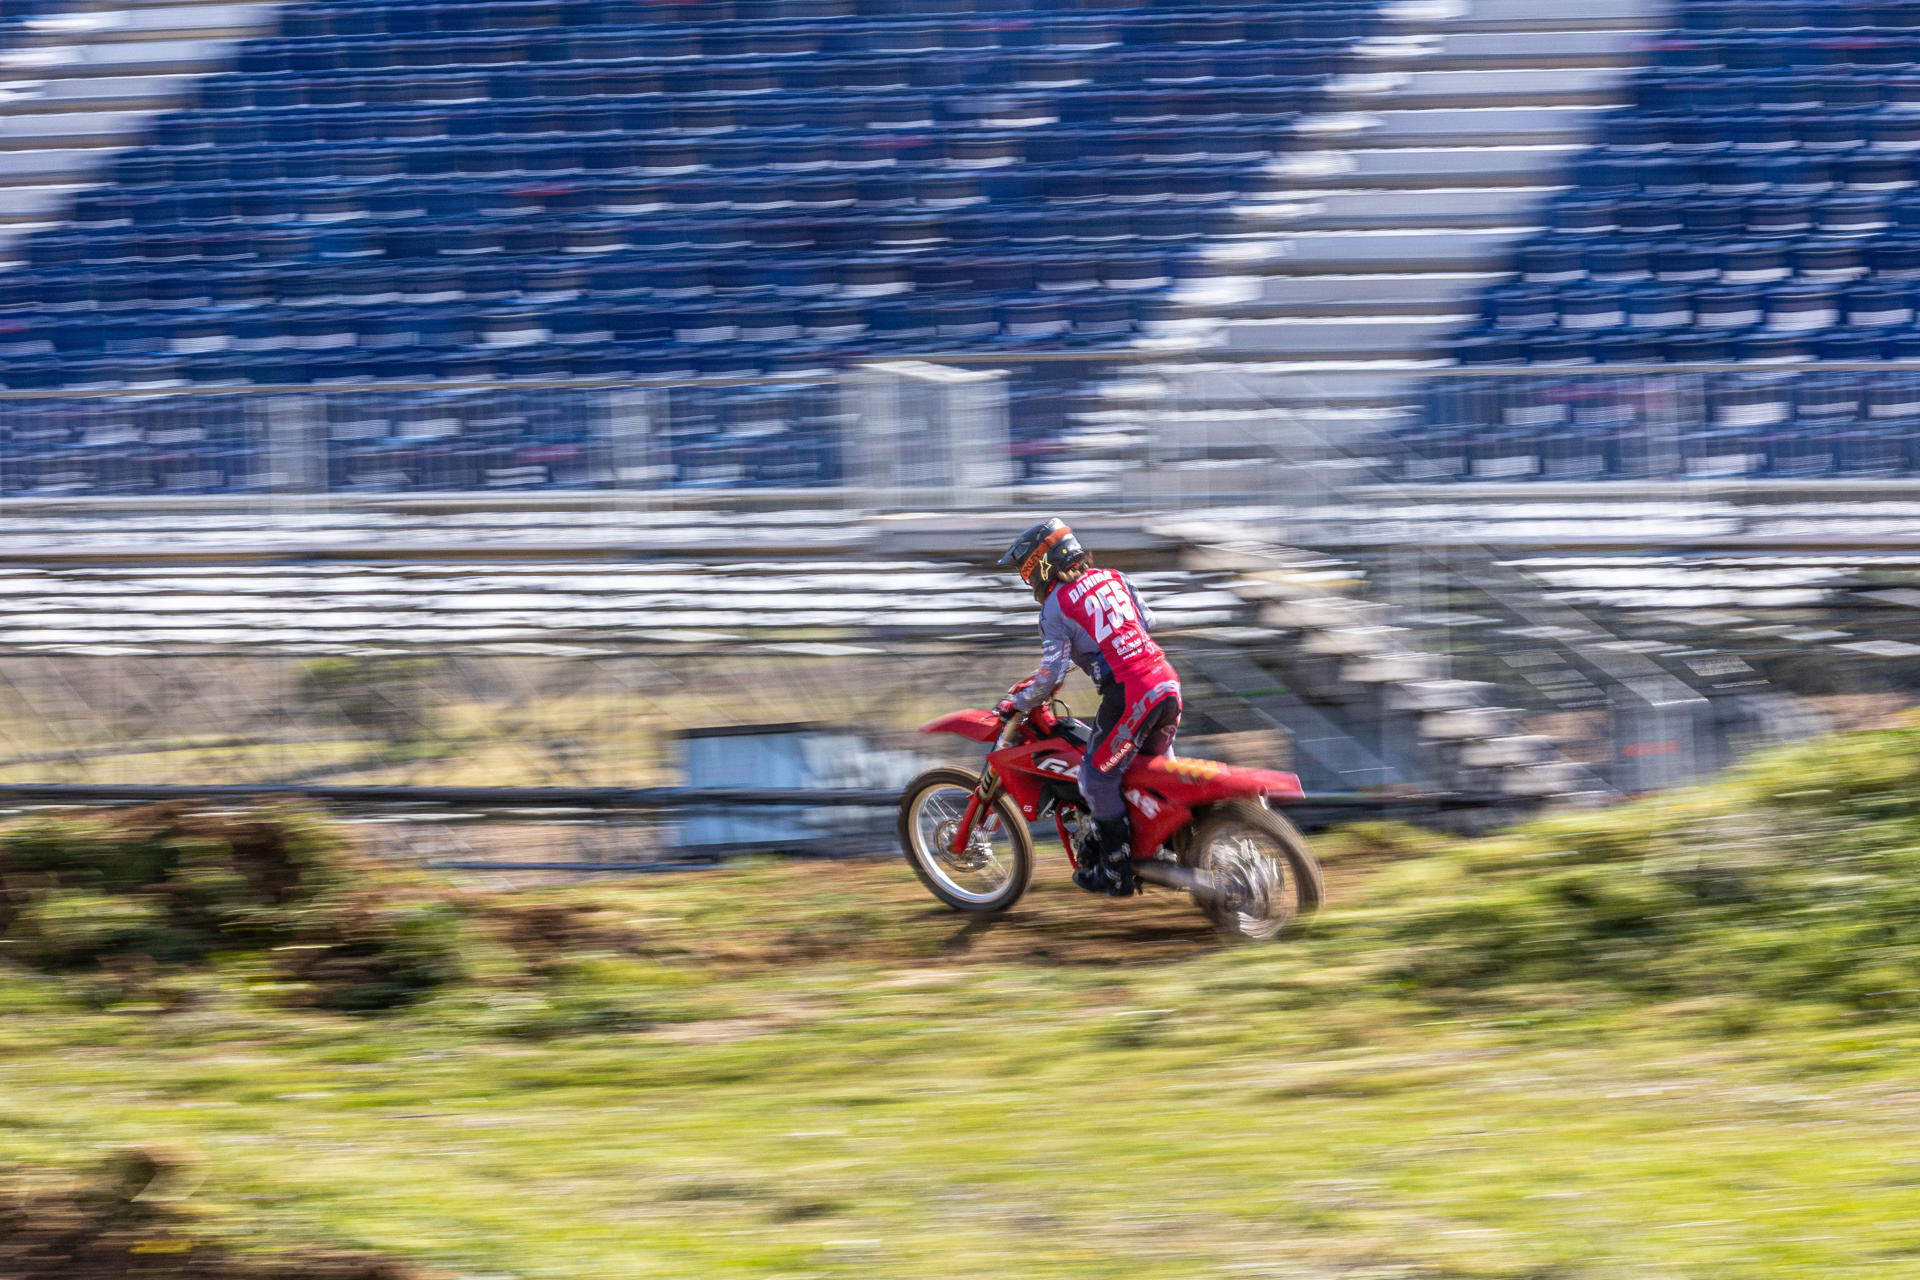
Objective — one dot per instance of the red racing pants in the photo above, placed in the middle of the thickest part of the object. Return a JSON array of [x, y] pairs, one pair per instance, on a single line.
[[1130, 723]]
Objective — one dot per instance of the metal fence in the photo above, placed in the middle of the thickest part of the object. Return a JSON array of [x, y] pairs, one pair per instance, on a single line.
[[1137, 427], [812, 431]]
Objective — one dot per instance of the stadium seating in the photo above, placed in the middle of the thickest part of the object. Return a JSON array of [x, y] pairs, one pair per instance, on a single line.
[[1758, 203], [405, 190]]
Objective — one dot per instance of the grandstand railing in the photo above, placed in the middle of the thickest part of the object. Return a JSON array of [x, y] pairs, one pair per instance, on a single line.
[[1136, 429]]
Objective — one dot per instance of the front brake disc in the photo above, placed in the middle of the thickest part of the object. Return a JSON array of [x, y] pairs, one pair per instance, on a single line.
[[977, 854]]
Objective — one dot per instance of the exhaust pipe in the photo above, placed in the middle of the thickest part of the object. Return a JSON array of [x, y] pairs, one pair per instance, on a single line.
[[1171, 875]]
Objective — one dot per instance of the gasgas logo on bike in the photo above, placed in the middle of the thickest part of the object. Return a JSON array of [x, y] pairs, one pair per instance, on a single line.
[[1148, 806], [1054, 764]]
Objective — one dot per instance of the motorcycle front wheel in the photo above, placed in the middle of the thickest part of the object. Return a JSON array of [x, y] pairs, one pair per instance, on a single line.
[[1270, 876], [994, 868]]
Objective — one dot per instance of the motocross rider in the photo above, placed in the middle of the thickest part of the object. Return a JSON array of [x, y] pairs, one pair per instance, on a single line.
[[1092, 617]]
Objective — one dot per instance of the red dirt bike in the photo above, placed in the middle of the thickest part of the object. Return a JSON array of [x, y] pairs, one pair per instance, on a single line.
[[1198, 826]]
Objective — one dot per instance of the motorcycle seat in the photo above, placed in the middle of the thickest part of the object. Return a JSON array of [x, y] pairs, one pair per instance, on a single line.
[[1073, 732]]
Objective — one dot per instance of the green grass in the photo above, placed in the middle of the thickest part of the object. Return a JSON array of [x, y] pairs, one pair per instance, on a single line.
[[790, 1069]]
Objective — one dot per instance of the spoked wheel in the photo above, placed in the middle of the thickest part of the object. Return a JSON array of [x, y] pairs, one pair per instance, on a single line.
[[1269, 875], [991, 870]]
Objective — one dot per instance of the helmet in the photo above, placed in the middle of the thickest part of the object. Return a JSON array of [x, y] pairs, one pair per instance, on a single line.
[[1044, 553]]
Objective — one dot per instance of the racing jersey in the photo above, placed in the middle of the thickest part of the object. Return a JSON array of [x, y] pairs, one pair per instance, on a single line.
[[1097, 622]]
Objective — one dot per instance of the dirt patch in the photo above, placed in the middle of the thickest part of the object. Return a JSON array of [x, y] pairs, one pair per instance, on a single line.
[[1852, 711], [129, 1220], [1351, 855], [804, 912], [1059, 924], [132, 895], [545, 934], [719, 1030]]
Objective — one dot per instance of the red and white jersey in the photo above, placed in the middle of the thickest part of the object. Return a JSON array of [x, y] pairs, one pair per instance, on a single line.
[[1097, 623], [1102, 605]]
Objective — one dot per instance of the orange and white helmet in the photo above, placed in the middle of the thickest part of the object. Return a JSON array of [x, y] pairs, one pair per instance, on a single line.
[[1044, 553]]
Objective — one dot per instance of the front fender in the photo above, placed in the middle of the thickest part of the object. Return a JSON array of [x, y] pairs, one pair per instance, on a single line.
[[973, 724]]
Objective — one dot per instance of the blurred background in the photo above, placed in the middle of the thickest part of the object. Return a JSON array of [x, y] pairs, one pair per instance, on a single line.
[[1501, 399], [565, 436]]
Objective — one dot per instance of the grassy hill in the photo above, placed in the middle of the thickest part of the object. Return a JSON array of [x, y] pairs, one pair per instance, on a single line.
[[1673, 1039]]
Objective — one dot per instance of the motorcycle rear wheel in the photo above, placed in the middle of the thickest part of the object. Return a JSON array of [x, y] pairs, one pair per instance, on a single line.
[[993, 872], [1271, 873]]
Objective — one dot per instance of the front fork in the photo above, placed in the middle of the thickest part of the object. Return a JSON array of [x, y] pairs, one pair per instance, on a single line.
[[989, 789], [983, 797]]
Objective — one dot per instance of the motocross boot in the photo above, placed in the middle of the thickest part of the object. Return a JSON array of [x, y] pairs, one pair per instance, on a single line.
[[1086, 846], [1111, 872]]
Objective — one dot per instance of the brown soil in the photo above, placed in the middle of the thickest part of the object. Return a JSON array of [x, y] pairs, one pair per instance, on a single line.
[[1854, 711], [124, 1223], [805, 911], [546, 933], [261, 844], [1058, 924], [1054, 924]]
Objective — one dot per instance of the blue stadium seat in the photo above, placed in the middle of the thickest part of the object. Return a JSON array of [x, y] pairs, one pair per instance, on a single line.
[[1754, 204], [546, 188]]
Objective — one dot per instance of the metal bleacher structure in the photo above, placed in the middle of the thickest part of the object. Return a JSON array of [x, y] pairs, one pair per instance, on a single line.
[[1270, 641], [397, 246]]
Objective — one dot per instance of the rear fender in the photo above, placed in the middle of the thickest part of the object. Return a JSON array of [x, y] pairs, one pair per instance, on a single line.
[[1197, 782], [1165, 795]]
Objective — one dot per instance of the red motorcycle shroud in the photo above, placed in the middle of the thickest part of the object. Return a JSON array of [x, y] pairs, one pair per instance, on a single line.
[[1161, 793]]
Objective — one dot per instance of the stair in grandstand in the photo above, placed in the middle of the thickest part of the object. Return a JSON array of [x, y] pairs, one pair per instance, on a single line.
[[1375, 236], [1379, 713], [1477, 669], [80, 83]]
